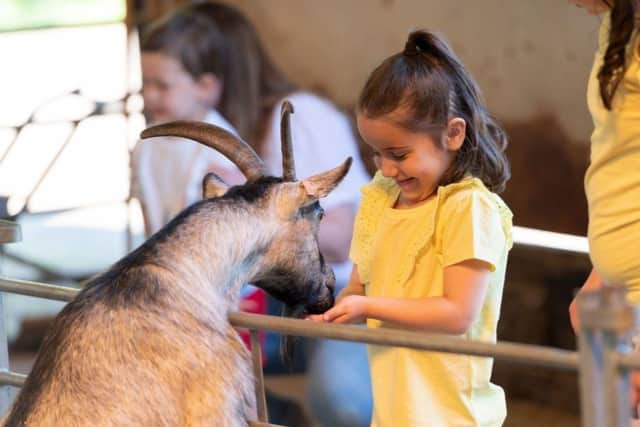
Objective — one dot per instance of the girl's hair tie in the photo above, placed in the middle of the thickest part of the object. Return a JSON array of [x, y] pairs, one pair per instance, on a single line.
[[419, 43], [412, 48]]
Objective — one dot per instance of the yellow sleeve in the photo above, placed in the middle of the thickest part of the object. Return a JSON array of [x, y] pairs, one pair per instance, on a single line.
[[473, 229]]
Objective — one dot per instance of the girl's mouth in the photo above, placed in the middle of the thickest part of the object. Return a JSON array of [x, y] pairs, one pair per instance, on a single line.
[[404, 182]]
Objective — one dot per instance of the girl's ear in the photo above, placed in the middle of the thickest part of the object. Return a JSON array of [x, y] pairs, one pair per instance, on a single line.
[[456, 132], [210, 87]]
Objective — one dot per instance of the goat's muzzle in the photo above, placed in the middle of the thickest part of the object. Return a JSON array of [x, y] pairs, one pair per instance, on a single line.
[[325, 298]]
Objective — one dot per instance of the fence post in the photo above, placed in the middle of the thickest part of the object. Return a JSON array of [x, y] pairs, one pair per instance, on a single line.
[[9, 233], [606, 322]]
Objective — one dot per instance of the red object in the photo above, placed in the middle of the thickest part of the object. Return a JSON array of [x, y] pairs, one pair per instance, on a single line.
[[255, 302]]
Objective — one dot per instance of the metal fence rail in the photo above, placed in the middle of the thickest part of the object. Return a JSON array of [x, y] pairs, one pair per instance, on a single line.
[[10, 232], [522, 353], [603, 360]]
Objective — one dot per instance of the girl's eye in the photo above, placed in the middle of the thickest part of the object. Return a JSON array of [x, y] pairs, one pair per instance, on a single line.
[[398, 156]]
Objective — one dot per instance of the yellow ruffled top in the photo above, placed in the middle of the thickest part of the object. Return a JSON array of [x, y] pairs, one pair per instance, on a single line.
[[402, 253], [381, 193]]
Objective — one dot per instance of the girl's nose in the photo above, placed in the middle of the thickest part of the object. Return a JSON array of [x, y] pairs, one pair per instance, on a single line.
[[387, 167]]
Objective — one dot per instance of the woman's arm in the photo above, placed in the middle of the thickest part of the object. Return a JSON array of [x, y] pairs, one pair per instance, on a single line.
[[465, 287], [593, 282]]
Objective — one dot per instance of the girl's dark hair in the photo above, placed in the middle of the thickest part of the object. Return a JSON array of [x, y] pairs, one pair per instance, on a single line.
[[613, 65], [210, 37], [428, 85]]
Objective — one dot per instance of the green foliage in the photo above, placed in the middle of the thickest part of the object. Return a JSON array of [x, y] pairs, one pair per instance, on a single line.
[[28, 14]]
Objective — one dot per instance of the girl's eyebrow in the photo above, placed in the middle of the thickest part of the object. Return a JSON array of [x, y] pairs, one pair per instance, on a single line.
[[401, 147]]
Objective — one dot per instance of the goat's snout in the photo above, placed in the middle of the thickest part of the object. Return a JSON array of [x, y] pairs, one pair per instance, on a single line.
[[325, 302], [325, 297]]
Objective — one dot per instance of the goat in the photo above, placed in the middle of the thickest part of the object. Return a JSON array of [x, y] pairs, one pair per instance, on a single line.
[[148, 342]]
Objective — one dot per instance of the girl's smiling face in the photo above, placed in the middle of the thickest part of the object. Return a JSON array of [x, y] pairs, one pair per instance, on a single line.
[[414, 160]]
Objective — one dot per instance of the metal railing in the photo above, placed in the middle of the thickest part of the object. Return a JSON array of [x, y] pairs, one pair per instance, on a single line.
[[603, 360], [10, 232]]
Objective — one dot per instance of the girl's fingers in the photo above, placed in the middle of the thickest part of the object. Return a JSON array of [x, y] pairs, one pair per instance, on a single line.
[[332, 313], [342, 319]]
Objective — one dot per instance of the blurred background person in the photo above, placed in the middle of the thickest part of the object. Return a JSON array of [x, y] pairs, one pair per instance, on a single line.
[[205, 62]]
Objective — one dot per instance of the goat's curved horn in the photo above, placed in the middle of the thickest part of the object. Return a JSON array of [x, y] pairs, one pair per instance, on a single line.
[[232, 147], [288, 162]]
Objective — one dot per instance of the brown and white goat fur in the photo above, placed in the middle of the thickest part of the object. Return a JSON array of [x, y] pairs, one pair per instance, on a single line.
[[148, 343]]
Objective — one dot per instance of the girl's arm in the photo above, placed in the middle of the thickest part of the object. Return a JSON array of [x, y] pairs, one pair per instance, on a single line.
[[465, 287], [593, 282], [354, 287]]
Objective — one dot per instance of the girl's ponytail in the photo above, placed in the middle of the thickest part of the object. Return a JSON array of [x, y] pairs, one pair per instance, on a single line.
[[482, 153]]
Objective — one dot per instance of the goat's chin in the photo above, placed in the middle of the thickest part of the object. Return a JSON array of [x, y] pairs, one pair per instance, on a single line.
[[288, 342], [322, 302], [319, 306], [298, 311]]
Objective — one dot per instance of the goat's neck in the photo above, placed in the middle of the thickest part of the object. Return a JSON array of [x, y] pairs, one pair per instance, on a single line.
[[214, 258]]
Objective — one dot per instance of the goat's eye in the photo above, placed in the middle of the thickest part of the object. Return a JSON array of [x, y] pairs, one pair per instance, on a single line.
[[320, 214]]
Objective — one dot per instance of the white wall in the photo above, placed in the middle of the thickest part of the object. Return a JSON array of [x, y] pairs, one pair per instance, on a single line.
[[531, 57]]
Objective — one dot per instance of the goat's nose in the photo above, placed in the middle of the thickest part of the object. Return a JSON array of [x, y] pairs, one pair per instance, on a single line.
[[331, 285], [330, 280]]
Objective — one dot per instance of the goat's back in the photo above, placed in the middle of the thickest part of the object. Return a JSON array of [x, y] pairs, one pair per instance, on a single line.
[[135, 364]]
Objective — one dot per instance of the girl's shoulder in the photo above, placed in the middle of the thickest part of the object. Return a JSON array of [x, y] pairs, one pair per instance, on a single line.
[[468, 191], [215, 118], [315, 112], [313, 117], [469, 199]]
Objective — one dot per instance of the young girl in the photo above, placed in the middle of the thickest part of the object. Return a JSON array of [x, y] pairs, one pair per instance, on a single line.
[[431, 237], [612, 182], [179, 74]]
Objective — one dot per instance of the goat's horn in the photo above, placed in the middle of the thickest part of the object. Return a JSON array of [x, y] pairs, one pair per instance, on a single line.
[[288, 162], [232, 147]]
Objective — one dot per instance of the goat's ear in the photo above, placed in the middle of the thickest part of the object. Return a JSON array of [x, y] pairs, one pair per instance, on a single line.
[[213, 186], [320, 185], [294, 195]]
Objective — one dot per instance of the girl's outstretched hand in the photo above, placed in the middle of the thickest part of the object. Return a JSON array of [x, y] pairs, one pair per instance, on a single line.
[[315, 317], [350, 309]]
